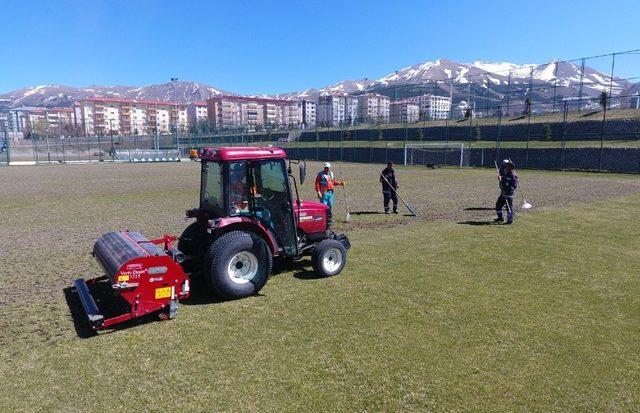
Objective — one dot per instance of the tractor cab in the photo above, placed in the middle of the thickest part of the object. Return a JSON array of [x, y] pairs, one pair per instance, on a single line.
[[250, 184]]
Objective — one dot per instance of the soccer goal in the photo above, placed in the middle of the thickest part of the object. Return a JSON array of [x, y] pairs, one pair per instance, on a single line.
[[431, 154]]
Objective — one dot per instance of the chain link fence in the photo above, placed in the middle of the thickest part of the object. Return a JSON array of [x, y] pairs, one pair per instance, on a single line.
[[605, 144]]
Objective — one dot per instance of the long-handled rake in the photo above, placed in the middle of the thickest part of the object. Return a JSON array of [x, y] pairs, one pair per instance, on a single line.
[[346, 198], [525, 204], [396, 192]]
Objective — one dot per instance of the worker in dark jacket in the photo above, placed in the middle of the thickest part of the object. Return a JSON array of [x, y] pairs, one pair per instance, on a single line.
[[389, 185], [508, 184]]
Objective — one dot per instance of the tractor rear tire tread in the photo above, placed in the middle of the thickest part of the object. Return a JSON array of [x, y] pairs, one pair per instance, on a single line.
[[220, 253]]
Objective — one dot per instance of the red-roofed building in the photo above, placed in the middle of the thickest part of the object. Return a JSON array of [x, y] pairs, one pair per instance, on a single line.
[[227, 112], [121, 116]]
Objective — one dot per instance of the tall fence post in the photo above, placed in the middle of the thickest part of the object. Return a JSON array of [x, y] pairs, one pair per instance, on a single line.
[[99, 149], [604, 120], [6, 143], [499, 134], [526, 155], [564, 134]]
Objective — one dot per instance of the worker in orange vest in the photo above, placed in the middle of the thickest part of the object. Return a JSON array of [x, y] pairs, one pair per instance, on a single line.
[[325, 182]]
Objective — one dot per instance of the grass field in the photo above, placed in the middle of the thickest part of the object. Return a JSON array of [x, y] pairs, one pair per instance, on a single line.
[[441, 312]]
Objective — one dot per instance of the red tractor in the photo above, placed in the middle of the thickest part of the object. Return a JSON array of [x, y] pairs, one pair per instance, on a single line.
[[248, 217]]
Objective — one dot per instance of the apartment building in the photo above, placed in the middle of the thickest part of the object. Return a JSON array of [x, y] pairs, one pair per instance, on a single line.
[[337, 110], [373, 107], [432, 106], [405, 112], [308, 113], [197, 114], [289, 114], [121, 116], [227, 112], [40, 120], [223, 112]]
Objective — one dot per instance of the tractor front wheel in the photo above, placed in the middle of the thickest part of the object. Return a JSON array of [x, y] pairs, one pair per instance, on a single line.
[[237, 265], [328, 258]]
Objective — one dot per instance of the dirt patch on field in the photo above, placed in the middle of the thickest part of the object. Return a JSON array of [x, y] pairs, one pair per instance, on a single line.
[[469, 195], [51, 215]]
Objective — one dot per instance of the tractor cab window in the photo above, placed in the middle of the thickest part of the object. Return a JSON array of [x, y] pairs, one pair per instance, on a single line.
[[238, 189], [211, 192], [272, 200]]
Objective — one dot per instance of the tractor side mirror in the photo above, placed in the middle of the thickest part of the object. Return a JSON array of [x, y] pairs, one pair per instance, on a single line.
[[303, 171]]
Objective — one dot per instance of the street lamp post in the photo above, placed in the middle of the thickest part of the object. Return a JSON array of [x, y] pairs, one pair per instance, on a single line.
[[174, 80]]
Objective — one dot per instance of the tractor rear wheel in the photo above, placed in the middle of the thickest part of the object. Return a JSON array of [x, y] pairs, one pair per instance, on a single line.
[[237, 265], [328, 258], [193, 240]]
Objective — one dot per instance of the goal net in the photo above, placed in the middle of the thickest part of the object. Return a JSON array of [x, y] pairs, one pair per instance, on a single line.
[[433, 154]]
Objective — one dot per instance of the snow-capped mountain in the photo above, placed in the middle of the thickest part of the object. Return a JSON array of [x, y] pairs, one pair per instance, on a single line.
[[489, 80], [485, 74], [346, 86], [58, 95]]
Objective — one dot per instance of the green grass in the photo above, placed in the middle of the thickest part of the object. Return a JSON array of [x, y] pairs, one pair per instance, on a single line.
[[428, 315]]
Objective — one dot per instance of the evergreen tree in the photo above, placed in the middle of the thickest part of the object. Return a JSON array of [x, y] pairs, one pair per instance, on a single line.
[[604, 99], [546, 132], [468, 113], [527, 107]]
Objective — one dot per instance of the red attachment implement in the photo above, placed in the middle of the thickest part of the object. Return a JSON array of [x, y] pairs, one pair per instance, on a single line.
[[148, 277]]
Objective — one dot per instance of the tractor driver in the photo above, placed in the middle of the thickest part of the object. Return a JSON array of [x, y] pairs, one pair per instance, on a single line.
[[238, 188]]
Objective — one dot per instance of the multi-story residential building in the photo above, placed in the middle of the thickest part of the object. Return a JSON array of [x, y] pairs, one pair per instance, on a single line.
[[120, 116], [405, 112], [269, 113], [337, 110], [226, 112], [253, 114], [51, 121], [290, 114], [308, 113], [373, 107], [432, 106], [197, 114], [223, 112], [19, 119]]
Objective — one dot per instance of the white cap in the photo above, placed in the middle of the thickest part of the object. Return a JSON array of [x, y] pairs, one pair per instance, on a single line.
[[327, 165], [506, 161]]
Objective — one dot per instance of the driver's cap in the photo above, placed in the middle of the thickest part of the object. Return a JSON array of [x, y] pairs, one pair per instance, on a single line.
[[327, 165]]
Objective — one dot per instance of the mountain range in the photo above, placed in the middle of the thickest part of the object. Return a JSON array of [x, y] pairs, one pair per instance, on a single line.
[[489, 80]]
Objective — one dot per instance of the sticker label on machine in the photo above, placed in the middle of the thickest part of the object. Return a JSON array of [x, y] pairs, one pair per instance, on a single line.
[[164, 292]]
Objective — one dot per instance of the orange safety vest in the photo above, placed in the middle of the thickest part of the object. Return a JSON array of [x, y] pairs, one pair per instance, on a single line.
[[325, 182]]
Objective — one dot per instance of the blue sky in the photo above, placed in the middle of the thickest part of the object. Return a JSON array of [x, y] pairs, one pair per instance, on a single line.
[[278, 46]]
